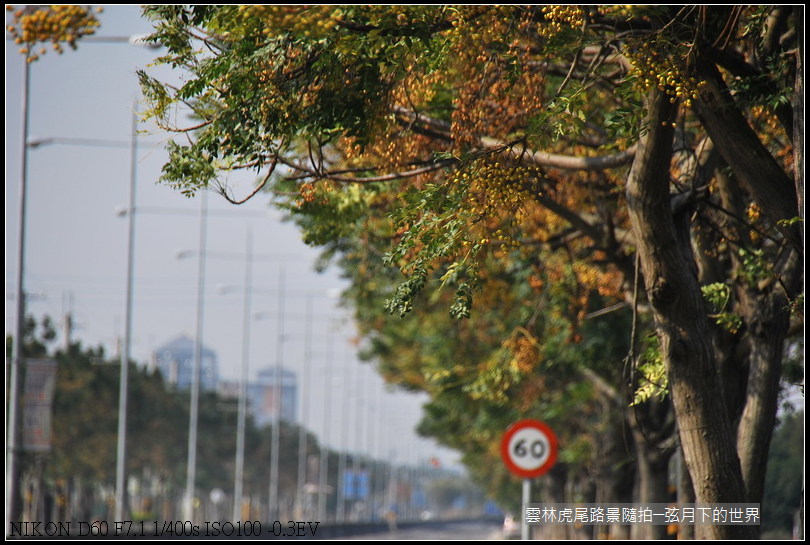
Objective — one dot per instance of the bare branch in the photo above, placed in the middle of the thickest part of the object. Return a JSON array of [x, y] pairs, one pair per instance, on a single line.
[[326, 175], [223, 190], [565, 162]]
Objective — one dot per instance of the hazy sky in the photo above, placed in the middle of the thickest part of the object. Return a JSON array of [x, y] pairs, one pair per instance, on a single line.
[[81, 102]]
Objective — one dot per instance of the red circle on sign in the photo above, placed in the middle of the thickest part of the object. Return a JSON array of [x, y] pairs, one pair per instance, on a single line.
[[529, 448]]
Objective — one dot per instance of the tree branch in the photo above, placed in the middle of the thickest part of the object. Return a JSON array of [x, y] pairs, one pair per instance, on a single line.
[[326, 175], [565, 162], [222, 190], [742, 149]]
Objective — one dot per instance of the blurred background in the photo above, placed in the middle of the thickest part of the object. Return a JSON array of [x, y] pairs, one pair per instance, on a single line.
[[80, 172]]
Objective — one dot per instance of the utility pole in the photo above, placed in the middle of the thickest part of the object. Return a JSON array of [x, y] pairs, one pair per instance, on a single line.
[[12, 444]]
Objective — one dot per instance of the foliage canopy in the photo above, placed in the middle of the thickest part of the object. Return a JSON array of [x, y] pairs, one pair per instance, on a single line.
[[641, 156]]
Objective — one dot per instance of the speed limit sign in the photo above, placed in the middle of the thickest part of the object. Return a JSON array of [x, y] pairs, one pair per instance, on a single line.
[[529, 448]]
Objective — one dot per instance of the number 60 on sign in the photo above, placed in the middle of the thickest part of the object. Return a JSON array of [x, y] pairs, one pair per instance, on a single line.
[[529, 448]]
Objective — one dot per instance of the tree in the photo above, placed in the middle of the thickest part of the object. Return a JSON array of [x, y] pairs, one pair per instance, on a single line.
[[637, 139]]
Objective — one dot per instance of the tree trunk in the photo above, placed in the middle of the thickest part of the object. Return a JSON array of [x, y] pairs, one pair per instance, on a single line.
[[614, 475], [763, 306], [686, 495], [741, 148], [652, 488], [652, 427], [671, 283], [614, 465], [768, 323]]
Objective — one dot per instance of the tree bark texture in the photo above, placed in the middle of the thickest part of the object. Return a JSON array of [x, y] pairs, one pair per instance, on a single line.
[[672, 287]]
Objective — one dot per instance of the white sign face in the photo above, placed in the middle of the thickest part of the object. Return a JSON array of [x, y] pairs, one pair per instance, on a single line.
[[529, 449]]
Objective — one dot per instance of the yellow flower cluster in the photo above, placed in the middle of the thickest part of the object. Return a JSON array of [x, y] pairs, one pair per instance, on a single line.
[[525, 355], [658, 64], [55, 24], [558, 17], [498, 194], [311, 21], [495, 186]]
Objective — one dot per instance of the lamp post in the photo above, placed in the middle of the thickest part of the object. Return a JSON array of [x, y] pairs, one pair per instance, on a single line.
[[202, 254], [12, 472], [242, 412], [302, 432], [191, 460], [120, 466], [240, 427], [191, 465], [324, 457], [374, 445], [358, 435], [277, 390], [276, 432], [35, 143], [340, 513]]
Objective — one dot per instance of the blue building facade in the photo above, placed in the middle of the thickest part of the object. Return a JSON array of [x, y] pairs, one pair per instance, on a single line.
[[175, 360], [262, 392]]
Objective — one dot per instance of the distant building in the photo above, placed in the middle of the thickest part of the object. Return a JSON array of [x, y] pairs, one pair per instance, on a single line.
[[175, 360], [261, 395]]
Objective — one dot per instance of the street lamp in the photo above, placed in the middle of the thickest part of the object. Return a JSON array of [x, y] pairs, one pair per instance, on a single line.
[[174, 211], [324, 458], [240, 429], [35, 143], [242, 413], [120, 467], [302, 432], [277, 395], [277, 391], [12, 472], [195, 386], [272, 505], [191, 462], [340, 512], [274, 455], [191, 466], [130, 212]]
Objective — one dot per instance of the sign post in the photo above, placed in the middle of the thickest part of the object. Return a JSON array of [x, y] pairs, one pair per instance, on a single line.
[[529, 450]]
